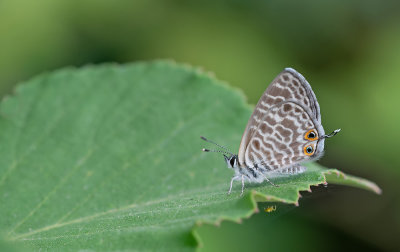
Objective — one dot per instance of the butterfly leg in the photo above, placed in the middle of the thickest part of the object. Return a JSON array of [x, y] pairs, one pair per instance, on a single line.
[[242, 185], [230, 188], [269, 181]]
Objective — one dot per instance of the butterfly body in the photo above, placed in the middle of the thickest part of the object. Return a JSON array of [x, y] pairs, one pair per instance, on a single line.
[[283, 132]]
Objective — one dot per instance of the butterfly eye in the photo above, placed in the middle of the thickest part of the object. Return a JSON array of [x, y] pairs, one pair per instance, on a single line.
[[309, 150], [232, 162], [311, 135]]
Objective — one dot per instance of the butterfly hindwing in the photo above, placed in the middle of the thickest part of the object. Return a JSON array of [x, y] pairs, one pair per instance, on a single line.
[[279, 141], [294, 169], [289, 85]]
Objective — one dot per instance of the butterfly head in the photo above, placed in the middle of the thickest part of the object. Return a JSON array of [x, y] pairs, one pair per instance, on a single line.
[[231, 161], [230, 158]]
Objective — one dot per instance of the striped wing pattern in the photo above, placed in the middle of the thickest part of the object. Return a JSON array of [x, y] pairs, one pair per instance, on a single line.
[[297, 168], [274, 136], [278, 140]]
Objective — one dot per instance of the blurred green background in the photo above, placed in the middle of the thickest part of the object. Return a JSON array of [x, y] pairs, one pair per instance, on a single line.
[[348, 50]]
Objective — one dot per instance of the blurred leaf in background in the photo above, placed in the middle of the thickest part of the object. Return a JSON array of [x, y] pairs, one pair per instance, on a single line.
[[348, 51]]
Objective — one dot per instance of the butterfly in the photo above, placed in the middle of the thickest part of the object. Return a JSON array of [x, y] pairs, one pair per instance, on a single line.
[[283, 132]]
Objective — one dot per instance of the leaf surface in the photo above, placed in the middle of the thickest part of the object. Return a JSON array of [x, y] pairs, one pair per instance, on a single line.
[[109, 158]]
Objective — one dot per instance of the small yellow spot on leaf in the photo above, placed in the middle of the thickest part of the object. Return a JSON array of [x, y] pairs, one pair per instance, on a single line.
[[270, 209]]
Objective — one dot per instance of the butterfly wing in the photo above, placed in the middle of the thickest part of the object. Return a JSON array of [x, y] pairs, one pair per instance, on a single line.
[[289, 85], [281, 138], [297, 168]]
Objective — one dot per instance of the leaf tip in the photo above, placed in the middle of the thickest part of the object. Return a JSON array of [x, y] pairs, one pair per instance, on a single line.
[[376, 188]]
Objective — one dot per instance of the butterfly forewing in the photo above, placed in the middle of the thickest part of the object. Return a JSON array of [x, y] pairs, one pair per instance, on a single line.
[[274, 134]]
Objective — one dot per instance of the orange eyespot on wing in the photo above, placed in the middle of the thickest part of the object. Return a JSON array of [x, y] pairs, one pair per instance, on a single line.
[[311, 135], [309, 149]]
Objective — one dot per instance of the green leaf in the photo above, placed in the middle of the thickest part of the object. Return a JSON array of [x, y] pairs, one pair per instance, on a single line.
[[8, 246], [109, 158]]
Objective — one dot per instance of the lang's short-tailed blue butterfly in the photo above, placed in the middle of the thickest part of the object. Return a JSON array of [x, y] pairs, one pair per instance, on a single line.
[[283, 132]]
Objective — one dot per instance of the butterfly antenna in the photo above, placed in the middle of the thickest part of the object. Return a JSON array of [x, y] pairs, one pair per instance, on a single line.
[[218, 151], [332, 134], [220, 146]]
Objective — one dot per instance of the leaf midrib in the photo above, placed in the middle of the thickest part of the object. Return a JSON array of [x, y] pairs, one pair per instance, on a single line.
[[187, 196]]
